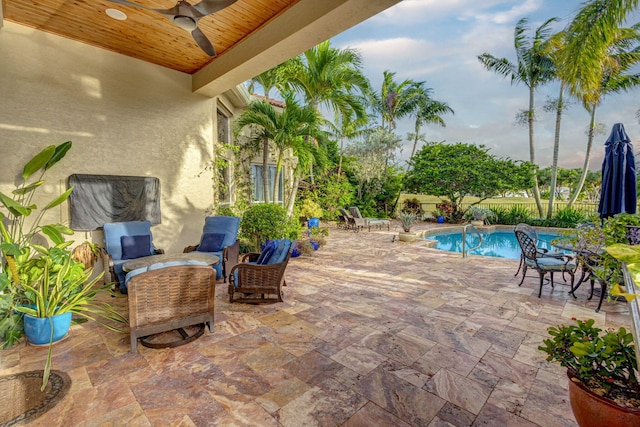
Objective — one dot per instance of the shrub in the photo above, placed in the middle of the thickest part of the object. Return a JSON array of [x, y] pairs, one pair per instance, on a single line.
[[412, 205], [512, 216], [569, 217], [267, 221], [310, 209]]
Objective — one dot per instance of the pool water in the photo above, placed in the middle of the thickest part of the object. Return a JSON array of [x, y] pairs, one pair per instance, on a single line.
[[501, 244]]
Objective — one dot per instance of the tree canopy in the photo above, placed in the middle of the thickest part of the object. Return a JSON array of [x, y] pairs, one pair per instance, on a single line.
[[458, 170]]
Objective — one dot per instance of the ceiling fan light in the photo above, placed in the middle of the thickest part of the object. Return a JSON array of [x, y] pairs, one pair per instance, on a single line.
[[185, 22], [116, 14]]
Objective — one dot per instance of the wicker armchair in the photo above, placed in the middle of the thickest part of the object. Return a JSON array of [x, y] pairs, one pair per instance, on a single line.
[[253, 283], [170, 298], [230, 250]]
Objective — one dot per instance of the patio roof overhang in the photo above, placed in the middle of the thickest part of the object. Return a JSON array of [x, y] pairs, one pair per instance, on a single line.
[[249, 36]]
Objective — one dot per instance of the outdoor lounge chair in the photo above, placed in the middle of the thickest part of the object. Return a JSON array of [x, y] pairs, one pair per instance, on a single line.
[[369, 222], [125, 241], [170, 298], [534, 259], [259, 277], [349, 220], [220, 238]]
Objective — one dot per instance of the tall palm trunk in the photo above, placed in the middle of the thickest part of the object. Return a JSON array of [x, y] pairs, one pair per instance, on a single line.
[[532, 151], [265, 169], [415, 141], [276, 181], [556, 149], [587, 158], [341, 151], [292, 197]]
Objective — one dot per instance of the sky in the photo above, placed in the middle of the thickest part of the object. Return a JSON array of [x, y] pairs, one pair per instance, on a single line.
[[438, 42]]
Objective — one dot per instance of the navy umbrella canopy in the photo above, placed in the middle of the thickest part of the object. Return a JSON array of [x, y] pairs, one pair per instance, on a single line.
[[618, 192]]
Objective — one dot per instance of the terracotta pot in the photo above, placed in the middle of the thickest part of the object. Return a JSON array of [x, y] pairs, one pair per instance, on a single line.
[[591, 410]]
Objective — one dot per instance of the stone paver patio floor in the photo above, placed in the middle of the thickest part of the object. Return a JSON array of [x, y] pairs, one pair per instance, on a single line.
[[371, 333]]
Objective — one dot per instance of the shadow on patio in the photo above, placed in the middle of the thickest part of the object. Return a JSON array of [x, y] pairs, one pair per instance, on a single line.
[[371, 333]]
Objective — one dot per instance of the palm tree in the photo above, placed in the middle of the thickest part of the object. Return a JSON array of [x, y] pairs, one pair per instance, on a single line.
[[270, 79], [332, 78], [396, 100], [557, 43], [429, 111], [623, 53], [285, 129], [591, 33], [534, 67]]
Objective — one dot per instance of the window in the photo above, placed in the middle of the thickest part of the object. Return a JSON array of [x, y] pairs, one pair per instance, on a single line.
[[223, 127], [224, 183], [258, 190]]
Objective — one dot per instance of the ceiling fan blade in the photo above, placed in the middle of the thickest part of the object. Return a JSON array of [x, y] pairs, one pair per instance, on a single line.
[[207, 7], [203, 42]]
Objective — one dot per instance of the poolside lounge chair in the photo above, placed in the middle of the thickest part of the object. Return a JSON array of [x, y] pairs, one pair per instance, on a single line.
[[534, 259], [369, 222], [348, 219]]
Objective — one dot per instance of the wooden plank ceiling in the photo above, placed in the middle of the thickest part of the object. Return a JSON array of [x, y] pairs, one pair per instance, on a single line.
[[145, 34]]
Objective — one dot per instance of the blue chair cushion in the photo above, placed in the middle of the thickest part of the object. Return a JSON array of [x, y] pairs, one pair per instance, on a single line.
[[551, 264], [135, 246], [113, 231], [267, 252], [211, 242], [281, 252], [227, 225]]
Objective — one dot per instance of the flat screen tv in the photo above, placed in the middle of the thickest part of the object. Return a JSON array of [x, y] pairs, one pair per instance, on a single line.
[[99, 199]]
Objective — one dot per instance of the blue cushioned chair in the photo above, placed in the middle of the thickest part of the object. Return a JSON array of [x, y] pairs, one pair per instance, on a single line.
[[259, 283], [535, 259], [125, 241], [220, 238]]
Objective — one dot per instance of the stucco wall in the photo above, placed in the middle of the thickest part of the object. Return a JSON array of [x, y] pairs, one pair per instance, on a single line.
[[125, 117]]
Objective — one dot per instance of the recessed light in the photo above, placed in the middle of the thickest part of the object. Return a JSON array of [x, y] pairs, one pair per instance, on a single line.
[[116, 14]]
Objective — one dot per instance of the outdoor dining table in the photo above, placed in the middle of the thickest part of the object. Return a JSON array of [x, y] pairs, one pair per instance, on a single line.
[[586, 260]]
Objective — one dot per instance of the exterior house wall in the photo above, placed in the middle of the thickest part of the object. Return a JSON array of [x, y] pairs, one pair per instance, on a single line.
[[124, 116]]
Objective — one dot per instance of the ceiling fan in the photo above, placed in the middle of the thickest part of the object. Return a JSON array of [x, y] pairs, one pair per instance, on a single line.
[[186, 16]]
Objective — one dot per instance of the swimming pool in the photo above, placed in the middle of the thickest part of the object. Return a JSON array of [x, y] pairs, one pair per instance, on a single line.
[[501, 244]]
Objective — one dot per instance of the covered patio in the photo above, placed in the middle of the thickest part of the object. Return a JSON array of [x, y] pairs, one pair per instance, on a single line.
[[373, 332]]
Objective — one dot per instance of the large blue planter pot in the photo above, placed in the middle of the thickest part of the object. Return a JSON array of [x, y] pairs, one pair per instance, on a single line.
[[313, 222], [38, 329], [440, 220]]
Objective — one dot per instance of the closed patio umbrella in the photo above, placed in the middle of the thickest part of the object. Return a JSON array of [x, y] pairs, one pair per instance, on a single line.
[[618, 192]]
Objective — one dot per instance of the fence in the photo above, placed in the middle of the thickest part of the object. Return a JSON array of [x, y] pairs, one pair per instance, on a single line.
[[589, 208]]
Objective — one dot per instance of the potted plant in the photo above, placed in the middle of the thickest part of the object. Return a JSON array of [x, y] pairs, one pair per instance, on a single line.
[[407, 218], [479, 216], [312, 212], [36, 281], [602, 371], [438, 214]]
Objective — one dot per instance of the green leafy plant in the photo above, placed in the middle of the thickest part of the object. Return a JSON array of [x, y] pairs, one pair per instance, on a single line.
[[55, 283], [310, 209], [268, 221], [605, 363], [34, 279], [17, 234], [478, 213], [407, 219]]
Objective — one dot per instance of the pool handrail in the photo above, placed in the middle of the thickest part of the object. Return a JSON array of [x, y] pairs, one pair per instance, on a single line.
[[464, 239]]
